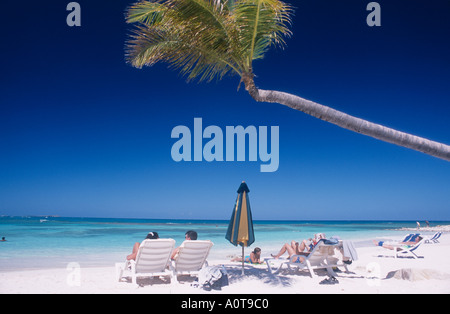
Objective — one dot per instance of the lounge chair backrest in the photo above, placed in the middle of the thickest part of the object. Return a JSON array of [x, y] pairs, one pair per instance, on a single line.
[[192, 255], [415, 246], [320, 252], [436, 236], [154, 255], [410, 237], [414, 237]]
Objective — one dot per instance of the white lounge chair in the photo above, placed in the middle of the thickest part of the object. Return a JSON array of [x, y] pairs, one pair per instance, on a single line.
[[434, 238], [191, 258], [400, 249], [321, 257], [152, 259]]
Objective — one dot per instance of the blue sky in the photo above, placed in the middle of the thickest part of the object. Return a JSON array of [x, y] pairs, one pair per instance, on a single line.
[[84, 134]]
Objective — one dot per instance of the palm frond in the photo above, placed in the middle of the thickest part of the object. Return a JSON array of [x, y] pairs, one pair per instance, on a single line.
[[263, 23], [164, 43], [148, 12], [205, 39]]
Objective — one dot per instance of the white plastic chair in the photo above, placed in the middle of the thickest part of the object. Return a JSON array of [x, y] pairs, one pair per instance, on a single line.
[[321, 257], [152, 259], [191, 258]]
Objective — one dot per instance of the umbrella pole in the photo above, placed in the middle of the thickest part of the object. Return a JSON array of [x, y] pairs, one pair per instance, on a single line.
[[242, 260]]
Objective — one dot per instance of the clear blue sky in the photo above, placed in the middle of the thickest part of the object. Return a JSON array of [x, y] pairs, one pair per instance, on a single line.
[[84, 134]]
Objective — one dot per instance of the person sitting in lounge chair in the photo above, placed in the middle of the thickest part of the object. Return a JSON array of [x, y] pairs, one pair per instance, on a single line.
[[189, 235], [399, 245], [296, 248], [151, 235]]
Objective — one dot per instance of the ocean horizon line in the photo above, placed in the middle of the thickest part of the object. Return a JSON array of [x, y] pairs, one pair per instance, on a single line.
[[183, 220]]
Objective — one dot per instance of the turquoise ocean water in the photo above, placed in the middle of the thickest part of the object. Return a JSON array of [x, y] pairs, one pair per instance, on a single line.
[[45, 242]]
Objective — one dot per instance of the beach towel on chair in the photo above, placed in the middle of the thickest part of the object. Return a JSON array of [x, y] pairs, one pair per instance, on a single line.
[[349, 250]]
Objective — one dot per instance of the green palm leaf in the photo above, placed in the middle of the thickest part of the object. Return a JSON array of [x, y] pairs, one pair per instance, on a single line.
[[264, 23], [205, 39]]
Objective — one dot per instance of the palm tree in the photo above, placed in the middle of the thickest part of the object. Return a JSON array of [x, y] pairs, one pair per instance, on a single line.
[[207, 39]]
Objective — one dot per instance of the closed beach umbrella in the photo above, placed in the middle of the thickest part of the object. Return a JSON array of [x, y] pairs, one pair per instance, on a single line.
[[240, 230]]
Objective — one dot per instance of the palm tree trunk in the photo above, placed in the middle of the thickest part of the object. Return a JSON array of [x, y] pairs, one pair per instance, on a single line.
[[347, 121]]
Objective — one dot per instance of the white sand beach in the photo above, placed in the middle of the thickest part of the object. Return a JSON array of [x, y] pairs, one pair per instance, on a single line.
[[376, 271]]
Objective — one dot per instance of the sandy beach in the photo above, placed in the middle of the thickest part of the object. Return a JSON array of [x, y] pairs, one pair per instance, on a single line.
[[376, 271]]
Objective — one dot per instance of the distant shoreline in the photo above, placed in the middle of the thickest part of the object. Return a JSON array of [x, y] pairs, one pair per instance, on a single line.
[[440, 228]]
